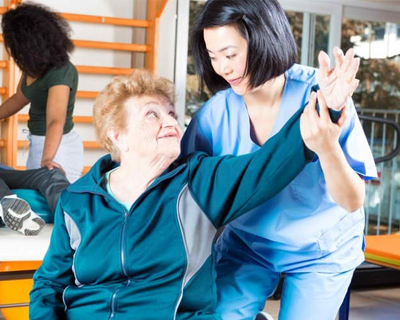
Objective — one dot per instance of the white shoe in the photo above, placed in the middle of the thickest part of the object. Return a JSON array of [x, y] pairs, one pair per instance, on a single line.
[[264, 316], [18, 216]]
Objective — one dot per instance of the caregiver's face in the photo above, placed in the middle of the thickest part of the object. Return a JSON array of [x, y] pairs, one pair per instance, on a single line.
[[228, 53], [152, 127]]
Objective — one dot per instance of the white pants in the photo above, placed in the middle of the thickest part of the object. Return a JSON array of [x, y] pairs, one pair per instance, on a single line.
[[69, 154]]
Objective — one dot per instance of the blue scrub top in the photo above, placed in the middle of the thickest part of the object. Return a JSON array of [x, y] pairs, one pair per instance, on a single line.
[[302, 228]]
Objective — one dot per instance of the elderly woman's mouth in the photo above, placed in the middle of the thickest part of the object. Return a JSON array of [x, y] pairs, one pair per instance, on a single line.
[[168, 136]]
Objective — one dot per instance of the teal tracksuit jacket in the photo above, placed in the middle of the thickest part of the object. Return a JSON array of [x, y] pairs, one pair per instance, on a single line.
[[155, 261]]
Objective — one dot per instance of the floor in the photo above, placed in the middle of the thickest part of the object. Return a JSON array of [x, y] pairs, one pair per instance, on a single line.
[[381, 304]]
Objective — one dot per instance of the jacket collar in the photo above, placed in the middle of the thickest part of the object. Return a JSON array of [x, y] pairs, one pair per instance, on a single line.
[[92, 181]]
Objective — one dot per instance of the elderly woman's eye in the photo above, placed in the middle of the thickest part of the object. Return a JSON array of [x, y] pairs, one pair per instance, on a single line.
[[152, 114], [173, 114]]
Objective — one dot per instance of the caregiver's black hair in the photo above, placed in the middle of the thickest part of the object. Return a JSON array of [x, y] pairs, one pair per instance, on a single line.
[[271, 47]]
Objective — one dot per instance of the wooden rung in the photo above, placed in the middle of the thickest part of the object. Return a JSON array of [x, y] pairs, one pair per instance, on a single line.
[[103, 70], [86, 144], [3, 91], [107, 20], [87, 94], [112, 45], [108, 45], [76, 119], [3, 64], [91, 145], [100, 19], [85, 170]]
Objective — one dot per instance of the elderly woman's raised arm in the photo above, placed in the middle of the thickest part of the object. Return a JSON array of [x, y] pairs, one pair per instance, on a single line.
[[228, 186], [54, 275]]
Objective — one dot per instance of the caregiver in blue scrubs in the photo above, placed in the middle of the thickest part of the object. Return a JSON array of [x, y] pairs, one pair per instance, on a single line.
[[312, 231]]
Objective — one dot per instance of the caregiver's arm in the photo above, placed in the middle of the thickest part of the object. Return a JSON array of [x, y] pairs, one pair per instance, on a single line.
[[344, 184]]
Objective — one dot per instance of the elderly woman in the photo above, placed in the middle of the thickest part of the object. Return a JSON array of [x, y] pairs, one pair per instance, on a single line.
[[133, 238]]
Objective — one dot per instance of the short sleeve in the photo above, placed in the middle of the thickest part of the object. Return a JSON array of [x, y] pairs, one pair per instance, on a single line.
[[355, 145], [66, 75], [195, 139]]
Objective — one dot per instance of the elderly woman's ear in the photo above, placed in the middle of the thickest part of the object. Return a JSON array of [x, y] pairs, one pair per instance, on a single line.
[[118, 138]]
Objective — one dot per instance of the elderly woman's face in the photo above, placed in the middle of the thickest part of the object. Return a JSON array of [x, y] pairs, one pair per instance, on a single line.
[[152, 127]]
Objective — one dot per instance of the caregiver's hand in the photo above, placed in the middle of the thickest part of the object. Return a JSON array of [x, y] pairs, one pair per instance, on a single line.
[[319, 133], [338, 84]]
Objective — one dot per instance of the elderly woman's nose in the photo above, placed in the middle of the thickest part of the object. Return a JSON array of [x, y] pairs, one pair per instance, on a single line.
[[169, 121]]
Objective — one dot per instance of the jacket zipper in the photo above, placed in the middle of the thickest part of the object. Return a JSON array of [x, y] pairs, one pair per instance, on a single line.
[[113, 304], [63, 298], [114, 296], [126, 215]]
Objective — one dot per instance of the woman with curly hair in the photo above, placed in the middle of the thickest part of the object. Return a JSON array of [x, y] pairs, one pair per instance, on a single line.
[[38, 41]]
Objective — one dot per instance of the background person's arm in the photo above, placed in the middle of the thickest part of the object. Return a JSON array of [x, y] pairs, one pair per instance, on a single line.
[[56, 112]]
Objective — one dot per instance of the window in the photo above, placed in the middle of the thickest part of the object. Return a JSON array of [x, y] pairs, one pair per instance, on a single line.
[[378, 95], [196, 91], [379, 33]]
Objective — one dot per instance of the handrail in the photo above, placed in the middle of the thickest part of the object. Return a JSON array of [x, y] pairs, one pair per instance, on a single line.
[[3, 64], [14, 305], [363, 110], [3, 91], [396, 127]]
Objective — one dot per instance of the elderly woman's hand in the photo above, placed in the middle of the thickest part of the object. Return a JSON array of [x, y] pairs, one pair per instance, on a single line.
[[319, 133], [338, 84]]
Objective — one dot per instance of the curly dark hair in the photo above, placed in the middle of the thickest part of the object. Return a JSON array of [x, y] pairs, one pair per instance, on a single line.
[[36, 38]]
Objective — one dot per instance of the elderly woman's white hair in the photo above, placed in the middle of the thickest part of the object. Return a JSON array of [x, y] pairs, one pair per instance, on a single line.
[[109, 108]]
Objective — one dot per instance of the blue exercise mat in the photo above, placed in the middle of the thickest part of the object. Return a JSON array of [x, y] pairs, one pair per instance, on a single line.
[[37, 203]]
